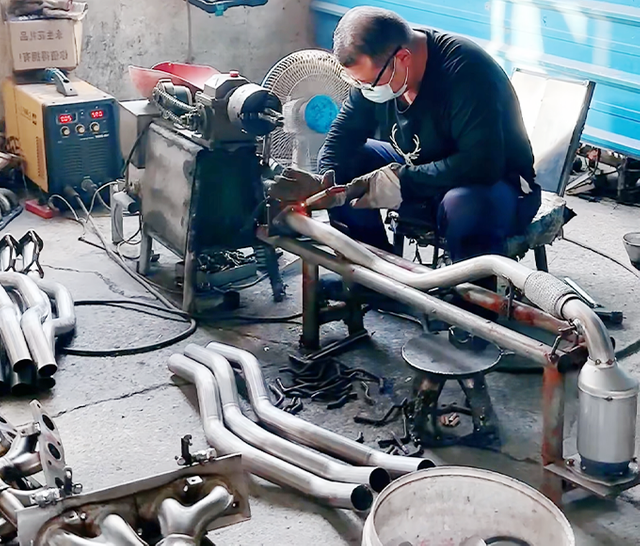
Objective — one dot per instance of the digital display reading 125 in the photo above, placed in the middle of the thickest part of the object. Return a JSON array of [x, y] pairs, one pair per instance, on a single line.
[[63, 119], [97, 114]]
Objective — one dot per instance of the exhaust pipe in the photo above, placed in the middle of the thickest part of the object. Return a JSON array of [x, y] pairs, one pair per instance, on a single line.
[[38, 310], [307, 433], [339, 495], [247, 430], [11, 334], [65, 321], [608, 396]]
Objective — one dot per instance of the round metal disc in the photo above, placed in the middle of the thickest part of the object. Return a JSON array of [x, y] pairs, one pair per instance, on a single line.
[[434, 354]]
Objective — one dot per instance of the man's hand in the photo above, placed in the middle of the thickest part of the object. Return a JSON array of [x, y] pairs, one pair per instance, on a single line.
[[294, 185], [379, 189]]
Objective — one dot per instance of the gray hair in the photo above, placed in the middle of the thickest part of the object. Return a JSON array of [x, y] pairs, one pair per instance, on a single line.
[[374, 32]]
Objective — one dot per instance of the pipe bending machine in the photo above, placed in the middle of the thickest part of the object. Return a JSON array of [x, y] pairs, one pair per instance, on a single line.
[[203, 188]]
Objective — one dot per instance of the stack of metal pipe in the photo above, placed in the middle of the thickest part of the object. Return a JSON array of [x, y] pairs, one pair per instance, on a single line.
[[337, 471], [33, 313]]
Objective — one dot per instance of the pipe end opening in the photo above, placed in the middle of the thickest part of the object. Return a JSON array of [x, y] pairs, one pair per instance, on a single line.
[[362, 498], [23, 366], [426, 463], [379, 479], [47, 370], [46, 383]]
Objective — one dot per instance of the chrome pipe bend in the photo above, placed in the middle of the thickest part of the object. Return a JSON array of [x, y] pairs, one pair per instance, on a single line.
[[38, 310], [321, 465], [191, 521], [339, 495], [307, 433], [65, 322]]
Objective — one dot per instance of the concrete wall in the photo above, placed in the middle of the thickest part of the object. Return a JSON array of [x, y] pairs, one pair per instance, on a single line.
[[118, 33]]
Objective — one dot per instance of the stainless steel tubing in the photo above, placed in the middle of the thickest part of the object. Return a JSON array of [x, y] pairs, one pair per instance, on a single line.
[[11, 333], [601, 349], [190, 522], [321, 465], [452, 275], [307, 433], [65, 321], [339, 495], [486, 329], [536, 285], [9, 506], [38, 310]]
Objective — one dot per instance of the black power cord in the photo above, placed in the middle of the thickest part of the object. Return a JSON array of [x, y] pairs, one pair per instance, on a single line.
[[143, 308]]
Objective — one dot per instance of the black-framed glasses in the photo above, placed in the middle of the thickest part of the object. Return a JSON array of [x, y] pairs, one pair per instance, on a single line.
[[369, 86]]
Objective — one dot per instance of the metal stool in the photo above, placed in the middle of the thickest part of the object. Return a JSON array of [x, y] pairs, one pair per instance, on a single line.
[[438, 358]]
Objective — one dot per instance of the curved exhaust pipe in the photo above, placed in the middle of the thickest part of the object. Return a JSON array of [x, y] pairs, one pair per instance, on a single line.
[[38, 310], [65, 321], [307, 433], [247, 430], [339, 495], [543, 289], [11, 334]]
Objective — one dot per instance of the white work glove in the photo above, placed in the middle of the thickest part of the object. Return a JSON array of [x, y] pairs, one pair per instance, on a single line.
[[379, 189]]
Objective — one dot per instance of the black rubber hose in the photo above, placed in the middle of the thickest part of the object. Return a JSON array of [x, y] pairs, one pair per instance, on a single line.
[[127, 351]]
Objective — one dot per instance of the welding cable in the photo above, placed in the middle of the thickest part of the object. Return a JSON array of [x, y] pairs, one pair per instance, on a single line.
[[171, 308], [180, 316], [629, 268]]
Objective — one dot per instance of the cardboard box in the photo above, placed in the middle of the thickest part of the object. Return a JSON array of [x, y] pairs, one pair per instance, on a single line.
[[38, 43]]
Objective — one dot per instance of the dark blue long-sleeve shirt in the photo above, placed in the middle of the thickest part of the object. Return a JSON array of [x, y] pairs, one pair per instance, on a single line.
[[466, 116]]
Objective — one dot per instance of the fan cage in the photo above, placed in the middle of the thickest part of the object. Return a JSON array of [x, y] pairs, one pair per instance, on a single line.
[[301, 76]]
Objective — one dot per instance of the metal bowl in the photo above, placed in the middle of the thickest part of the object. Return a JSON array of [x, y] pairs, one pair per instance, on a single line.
[[632, 246]]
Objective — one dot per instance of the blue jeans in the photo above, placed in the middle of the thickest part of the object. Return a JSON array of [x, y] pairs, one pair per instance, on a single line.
[[474, 220]]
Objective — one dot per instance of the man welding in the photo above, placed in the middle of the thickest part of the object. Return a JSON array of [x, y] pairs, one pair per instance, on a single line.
[[432, 128]]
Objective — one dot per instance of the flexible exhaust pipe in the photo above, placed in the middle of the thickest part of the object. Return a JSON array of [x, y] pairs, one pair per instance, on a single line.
[[247, 430], [339, 495], [307, 433], [38, 310]]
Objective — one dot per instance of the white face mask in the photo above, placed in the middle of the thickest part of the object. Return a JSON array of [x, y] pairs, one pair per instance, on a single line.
[[384, 93]]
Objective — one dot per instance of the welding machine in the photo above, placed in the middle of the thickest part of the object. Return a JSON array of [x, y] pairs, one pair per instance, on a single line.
[[67, 135]]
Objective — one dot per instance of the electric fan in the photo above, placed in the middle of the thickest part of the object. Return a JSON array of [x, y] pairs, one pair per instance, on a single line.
[[310, 87]]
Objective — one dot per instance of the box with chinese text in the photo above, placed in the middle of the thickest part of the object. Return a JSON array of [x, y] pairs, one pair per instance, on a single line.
[[38, 43]]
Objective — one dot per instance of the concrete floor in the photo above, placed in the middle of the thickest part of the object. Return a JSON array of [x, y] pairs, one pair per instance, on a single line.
[[122, 418]]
